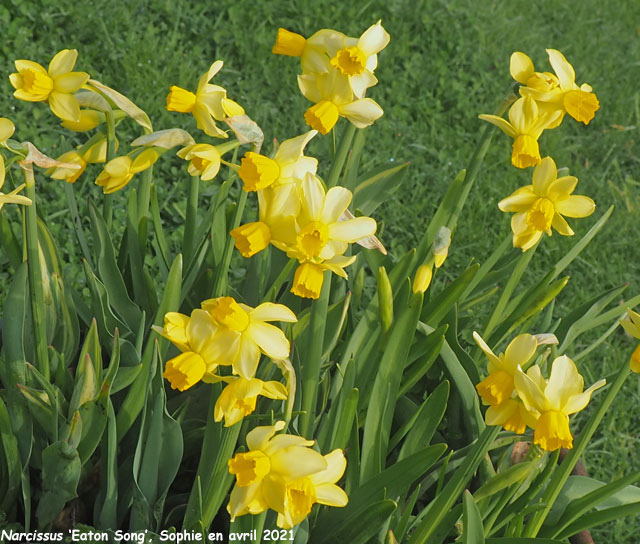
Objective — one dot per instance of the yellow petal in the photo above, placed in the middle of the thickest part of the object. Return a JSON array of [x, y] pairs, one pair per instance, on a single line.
[[519, 201], [23, 65], [635, 360], [268, 311], [248, 358], [71, 82], [575, 206], [65, 106], [520, 350], [529, 391], [521, 67], [562, 187], [352, 230], [560, 224], [144, 160], [271, 340], [580, 401], [374, 39], [7, 128], [258, 437], [543, 175], [63, 62], [487, 350], [292, 149], [331, 495], [501, 123], [562, 68], [564, 382], [362, 113], [336, 202]]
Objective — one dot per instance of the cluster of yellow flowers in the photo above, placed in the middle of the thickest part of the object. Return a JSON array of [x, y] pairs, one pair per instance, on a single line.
[[545, 99], [337, 70], [226, 333], [283, 473], [298, 216], [518, 399]]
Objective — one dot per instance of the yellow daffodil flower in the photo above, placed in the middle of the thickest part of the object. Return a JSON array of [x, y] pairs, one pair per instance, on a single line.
[[555, 400], [288, 164], [632, 326], [557, 91], [283, 473], [358, 61], [204, 160], [314, 52], [526, 124], [244, 333], [238, 399], [94, 154], [499, 385], [512, 415], [56, 85], [542, 205], [333, 97], [208, 105], [118, 172]]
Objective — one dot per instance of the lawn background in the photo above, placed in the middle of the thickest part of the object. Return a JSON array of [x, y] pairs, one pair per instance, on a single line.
[[446, 63]]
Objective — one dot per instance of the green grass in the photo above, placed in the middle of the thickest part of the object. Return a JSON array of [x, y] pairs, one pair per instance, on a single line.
[[446, 63]]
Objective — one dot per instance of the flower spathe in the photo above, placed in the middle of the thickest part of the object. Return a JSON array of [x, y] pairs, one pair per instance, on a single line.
[[208, 105], [541, 206], [553, 401], [284, 474], [55, 85]]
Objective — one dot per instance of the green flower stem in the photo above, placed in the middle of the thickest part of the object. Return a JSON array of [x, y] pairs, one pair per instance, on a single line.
[[191, 218], [107, 211], [272, 292], [563, 472], [144, 193], [35, 273], [514, 280], [341, 155], [220, 285], [77, 222], [313, 357]]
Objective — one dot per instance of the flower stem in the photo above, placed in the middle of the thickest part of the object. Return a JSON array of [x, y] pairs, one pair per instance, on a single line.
[[341, 155], [107, 211], [277, 284], [191, 218], [35, 273], [313, 358]]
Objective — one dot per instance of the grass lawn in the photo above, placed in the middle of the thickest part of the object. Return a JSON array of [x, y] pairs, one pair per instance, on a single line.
[[446, 63]]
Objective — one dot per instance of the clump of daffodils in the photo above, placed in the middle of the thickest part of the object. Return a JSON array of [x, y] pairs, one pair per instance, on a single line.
[[336, 72], [298, 216], [519, 399], [225, 333], [283, 473], [546, 98]]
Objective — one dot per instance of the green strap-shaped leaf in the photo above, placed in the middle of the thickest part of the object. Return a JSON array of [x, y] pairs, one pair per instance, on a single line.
[[472, 530], [110, 274], [11, 484], [377, 187]]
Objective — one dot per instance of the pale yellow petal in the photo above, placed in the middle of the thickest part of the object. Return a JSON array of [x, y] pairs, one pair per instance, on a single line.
[[7, 128], [352, 230], [564, 382], [248, 357], [335, 203], [529, 391], [258, 437], [23, 65], [361, 113], [520, 67], [292, 149], [501, 123], [374, 39], [580, 401], [493, 358], [274, 390], [270, 339], [296, 462], [543, 175], [336, 465], [268, 311], [520, 350], [562, 68], [313, 197]]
